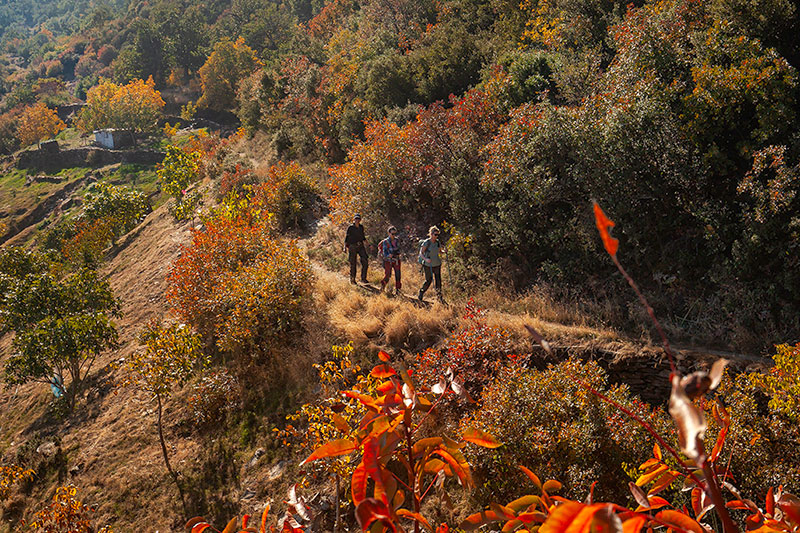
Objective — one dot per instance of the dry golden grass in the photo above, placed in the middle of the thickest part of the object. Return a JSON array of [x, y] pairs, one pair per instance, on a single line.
[[379, 320], [576, 337]]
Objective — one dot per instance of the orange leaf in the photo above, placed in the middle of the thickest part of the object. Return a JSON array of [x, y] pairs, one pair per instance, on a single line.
[[583, 522], [358, 484], [458, 469], [383, 372], [633, 525], [700, 503], [474, 521], [744, 505], [386, 386], [371, 510], [340, 423], [264, 516], [332, 449], [533, 477], [366, 401], [663, 482], [790, 505], [657, 451], [416, 517], [481, 438], [383, 356], [231, 527], [654, 502], [679, 520], [524, 502], [560, 519], [646, 478], [551, 485], [535, 517], [603, 223], [723, 433], [504, 512], [769, 506], [199, 528], [373, 468], [649, 463]]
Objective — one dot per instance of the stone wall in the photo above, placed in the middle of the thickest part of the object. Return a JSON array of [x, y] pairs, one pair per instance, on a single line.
[[89, 156]]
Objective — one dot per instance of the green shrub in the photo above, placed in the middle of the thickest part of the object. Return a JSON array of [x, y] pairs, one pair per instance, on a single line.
[[125, 207], [214, 396], [550, 423], [289, 194], [180, 169], [764, 438]]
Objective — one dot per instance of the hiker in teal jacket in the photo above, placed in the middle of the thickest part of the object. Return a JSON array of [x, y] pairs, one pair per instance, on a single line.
[[431, 263]]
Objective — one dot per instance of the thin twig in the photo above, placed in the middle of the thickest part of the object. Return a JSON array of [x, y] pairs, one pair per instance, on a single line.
[[650, 312], [687, 470]]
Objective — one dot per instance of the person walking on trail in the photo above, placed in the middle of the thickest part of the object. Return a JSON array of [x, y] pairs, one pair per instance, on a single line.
[[354, 243], [389, 252], [431, 263]]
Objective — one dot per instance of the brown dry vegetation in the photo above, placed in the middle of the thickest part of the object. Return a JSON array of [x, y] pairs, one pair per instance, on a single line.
[[377, 320]]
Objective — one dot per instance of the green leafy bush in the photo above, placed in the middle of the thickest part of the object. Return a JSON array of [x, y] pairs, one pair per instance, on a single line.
[[551, 423], [123, 206], [764, 436], [61, 324], [289, 194], [176, 173]]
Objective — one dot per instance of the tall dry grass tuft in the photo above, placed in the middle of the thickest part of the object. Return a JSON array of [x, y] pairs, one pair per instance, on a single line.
[[415, 328], [378, 320]]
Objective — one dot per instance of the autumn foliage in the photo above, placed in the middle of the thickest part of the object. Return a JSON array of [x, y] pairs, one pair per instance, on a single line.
[[65, 514], [10, 475], [37, 123], [227, 65], [289, 193], [238, 284], [135, 106]]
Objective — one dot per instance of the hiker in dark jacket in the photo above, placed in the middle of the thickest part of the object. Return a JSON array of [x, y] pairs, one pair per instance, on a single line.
[[354, 243], [389, 253], [431, 263]]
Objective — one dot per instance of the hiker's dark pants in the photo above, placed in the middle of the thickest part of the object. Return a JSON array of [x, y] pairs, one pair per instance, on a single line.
[[356, 251], [387, 273], [430, 274]]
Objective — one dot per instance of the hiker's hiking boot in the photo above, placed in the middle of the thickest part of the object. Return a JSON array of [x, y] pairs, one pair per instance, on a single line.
[[420, 295]]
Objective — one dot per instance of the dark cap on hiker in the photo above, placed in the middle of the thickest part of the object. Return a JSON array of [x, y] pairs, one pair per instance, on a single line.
[[357, 217]]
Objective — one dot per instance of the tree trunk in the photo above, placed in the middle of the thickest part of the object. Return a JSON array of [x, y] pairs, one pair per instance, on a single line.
[[336, 503], [166, 457]]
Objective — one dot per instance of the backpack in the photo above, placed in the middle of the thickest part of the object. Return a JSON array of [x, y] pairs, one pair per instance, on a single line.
[[420, 260]]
